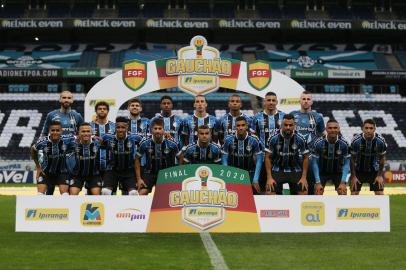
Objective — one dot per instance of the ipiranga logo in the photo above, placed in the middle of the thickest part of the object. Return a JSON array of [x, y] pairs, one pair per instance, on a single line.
[[46, 214], [358, 213]]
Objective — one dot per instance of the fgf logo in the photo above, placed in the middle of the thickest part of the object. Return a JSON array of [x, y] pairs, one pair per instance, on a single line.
[[312, 213]]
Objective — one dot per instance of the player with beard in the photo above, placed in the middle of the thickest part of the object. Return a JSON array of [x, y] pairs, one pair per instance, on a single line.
[[160, 153], [368, 151], [310, 125], [244, 151], [138, 125], [203, 151], [286, 159], [331, 160], [69, 119], [227, 123]]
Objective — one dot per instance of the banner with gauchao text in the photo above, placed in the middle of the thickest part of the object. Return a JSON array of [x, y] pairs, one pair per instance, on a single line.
[[203, 197]]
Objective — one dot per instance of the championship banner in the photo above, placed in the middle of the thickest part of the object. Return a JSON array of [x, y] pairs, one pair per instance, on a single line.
[[195, 198]]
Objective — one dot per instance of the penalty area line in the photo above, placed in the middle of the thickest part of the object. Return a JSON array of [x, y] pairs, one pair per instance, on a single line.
[[216, 258]]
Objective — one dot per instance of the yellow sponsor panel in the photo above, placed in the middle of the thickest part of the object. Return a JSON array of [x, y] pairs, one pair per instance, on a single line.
[[46, 214], [92, 214], [111, 102], [289, 101], [358, 213], [312, 214]]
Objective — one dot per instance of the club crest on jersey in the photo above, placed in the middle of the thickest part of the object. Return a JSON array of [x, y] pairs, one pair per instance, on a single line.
[[198, 67], [134, 74], [259, 74]]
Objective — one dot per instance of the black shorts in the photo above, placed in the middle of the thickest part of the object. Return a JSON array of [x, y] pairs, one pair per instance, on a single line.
[[335, 178], [366, 177], [126, 180], [52, 180], [90, 181], [149, 179], [292, 178]]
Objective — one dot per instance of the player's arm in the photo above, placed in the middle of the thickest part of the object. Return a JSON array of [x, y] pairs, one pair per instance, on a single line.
[[220, 131], [303, 179], [379, 178], [45, 129], [318, 188], [342, 188], [353, 177], [34, 156], [137, 166], [215, 132], [258, 159], [270, 182]]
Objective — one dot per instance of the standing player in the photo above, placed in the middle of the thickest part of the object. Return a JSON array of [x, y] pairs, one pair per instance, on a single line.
[[138, 125], [310, 125], [368, 151], [265, 124], [286, 160], [331, 160], [49, 157], [203, 151], [244, 151], [122, 149], [160, 154], [227, 124], [69, 119], [84, 162], [172, 123], [200, 117]]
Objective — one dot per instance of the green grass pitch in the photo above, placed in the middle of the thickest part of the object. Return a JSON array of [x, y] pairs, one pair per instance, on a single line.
[[186, 251]]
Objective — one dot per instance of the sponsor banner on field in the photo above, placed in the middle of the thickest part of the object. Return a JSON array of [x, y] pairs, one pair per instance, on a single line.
[[382, 25], [321, 24], [346, 74], [33, 23], [205, 197], [386, 74], [104, 23], [395, 176], [82, 213], [309, 74], [249, 24], [30, 73], [323, 213], [81, 73], [178, 23], [16, 177]]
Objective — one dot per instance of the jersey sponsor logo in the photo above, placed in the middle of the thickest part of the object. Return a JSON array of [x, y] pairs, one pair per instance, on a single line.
[[46, 214], [204, 199], [259, 74], [131, 214], [134, 74], [273, 213], [312, 213], [198, 67], [92, 214], [358, 213]]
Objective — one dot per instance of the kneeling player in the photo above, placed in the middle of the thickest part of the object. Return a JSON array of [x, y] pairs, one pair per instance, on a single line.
[[286, 160], [368, 151], [203, 151], [160, 154], [51, 167], [84, 162], [331, 160], [122, 149]]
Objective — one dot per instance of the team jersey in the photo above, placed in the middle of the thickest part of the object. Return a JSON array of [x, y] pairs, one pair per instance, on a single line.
[[173, 126], [139, 126], [245, 154], [331, 157], [287, 154], [51, 155], [192, 122], [227, 125], [367, 152], [100, 130], [84, 159], [121, 152], [70, 122], [194, 154], [310, 125], [264, 125], [158, 155]]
